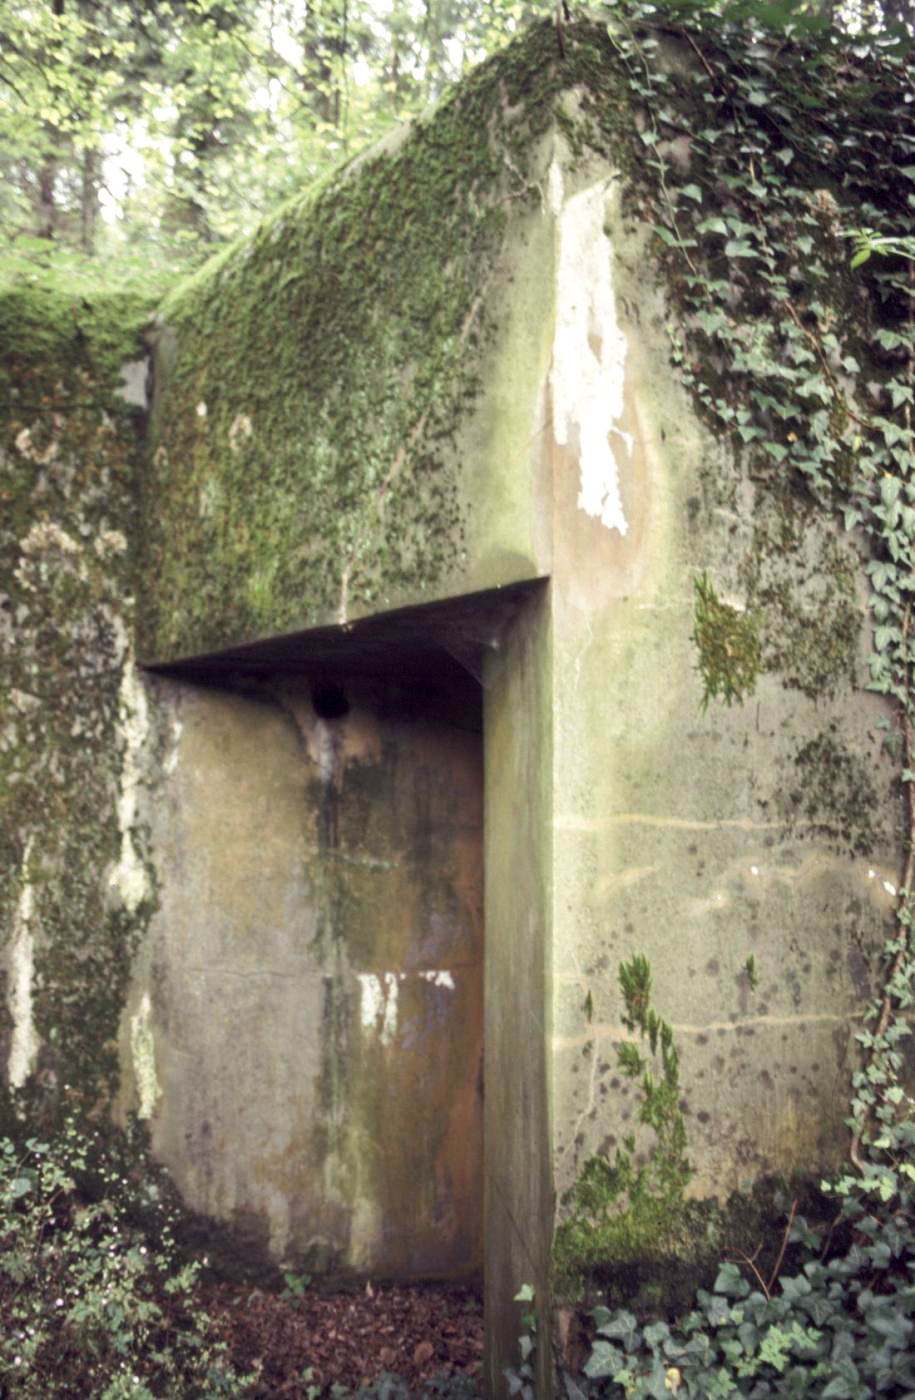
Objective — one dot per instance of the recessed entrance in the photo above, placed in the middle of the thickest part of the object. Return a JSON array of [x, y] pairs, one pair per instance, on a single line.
[[318, 953]]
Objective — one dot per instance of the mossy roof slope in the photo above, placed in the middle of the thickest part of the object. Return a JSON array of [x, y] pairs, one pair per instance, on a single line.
[[314, 380]]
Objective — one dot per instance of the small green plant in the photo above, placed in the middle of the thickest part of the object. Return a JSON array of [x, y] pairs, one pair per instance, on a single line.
[[867, 241], [730, 655], [523, 1381], [622, 1210], [294, 1285], [749, 968], [95, 1299]]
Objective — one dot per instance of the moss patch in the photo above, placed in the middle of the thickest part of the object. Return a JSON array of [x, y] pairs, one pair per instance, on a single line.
[[830, 797], [730, 657]]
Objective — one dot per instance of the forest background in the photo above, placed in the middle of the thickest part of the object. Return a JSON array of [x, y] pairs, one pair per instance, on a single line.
[[140, 136]]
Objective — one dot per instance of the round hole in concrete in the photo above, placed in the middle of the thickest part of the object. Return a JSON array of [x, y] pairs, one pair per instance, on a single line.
[[329, 701]]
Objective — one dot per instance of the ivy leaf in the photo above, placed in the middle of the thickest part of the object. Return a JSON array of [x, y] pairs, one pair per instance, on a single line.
[[816, 385], [623, 1326], [846, 1385], [672, 240], [739, 248], [730, 1282], [883, 636]]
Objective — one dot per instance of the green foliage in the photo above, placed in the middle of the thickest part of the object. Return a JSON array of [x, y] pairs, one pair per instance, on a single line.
[[181, 129], [631, 1208], [868, 241], [95, 1299], [730, 656], [522, 1380], [841, 1326]]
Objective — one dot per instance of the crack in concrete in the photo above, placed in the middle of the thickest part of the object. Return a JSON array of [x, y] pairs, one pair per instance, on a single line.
[[605, 1031]]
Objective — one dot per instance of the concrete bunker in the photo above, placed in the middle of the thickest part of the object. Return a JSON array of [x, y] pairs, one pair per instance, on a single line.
[[452, 372], [316, 961]]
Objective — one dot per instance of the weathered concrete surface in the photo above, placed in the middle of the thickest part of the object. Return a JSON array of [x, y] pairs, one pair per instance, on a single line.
[[518, 1203], [311, 989], [675, 832]]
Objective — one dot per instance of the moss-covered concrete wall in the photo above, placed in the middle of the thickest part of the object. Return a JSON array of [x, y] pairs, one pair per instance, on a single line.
[[332, 395], [75, 883]]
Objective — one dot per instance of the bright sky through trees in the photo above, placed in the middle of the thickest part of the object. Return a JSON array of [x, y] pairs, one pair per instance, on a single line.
[[161, 129]]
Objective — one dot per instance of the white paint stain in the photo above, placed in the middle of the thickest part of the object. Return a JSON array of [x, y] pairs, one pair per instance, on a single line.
[[389, 1020], [371, 1001], [24, 1040], [143, 1054], [132, 387], [379, 995], [378, 1003], [129, 876], [171, 761], [439, 979], [589, 351]]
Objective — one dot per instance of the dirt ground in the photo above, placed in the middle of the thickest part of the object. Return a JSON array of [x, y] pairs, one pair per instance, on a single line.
[[315, 1340]]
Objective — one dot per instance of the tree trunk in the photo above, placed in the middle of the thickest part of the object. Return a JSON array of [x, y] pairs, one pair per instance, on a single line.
[[89, 199]]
